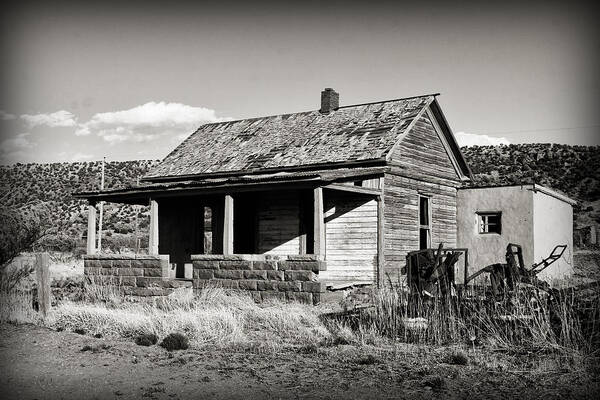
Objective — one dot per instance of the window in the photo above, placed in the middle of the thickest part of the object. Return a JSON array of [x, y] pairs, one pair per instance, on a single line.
[[424, 222], [490, 222]]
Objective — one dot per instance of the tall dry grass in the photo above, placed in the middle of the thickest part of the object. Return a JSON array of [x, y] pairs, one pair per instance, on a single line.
[[528, 319], [17, 306], [214, 318]]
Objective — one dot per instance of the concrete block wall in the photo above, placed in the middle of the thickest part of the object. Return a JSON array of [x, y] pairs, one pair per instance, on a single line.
[[135, 275], [288, 278]]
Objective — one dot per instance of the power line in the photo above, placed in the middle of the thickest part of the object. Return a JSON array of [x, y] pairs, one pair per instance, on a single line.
[[540, 130]]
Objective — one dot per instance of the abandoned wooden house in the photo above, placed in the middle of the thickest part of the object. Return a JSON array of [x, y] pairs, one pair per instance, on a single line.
[[288, 205]]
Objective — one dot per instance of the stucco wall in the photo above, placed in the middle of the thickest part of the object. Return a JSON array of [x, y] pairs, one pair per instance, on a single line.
[[516, 205], [553, 225]]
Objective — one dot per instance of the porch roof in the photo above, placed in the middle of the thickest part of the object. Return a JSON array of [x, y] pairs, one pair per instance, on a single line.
[[254, 182]]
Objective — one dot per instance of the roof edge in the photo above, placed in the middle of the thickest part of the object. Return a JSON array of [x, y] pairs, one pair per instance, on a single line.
[[535, 187], [224, 174], [437, 111]]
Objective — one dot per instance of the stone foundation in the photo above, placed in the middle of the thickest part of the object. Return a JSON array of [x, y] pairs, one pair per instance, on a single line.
[[135, 275], [291, 278]]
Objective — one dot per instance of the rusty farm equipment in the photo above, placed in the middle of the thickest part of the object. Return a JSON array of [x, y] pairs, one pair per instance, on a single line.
[[512, 296], [432, 272], [505, 277]]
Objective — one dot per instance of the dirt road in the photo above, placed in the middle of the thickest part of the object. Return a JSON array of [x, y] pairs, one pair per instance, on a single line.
[[38, 363]]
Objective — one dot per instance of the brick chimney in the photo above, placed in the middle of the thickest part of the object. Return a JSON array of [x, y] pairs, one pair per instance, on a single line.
[[330, 100]]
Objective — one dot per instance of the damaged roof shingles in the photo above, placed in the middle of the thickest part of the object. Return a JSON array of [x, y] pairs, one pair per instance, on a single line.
[[352, 133]]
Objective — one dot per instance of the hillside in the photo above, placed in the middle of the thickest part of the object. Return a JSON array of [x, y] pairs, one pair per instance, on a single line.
[[50, 187], [573, 170]]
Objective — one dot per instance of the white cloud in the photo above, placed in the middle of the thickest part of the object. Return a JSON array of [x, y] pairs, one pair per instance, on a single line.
[[148, 122], [58, 119], [6, 116], [471, 139]]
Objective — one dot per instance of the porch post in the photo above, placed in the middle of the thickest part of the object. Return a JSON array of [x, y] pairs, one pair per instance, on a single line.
[[91, 231], [153, 239], [380, 241], [319, 223], [228, 226]]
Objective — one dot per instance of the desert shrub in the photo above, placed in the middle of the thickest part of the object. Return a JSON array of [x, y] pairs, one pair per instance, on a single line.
[[175, 341], [456, 357], [146, 339], [59, 243], [79, 331], [369, 359], [435, 382]]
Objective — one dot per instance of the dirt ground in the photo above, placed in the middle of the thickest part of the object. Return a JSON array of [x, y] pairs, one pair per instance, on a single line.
[[38, 363]]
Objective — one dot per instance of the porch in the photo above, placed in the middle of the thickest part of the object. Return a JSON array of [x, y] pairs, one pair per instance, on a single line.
[[283, 240]]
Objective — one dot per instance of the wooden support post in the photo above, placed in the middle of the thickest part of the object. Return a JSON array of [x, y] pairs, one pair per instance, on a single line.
[[153, 239], [228, 225], [380, 236], [319, 223], [42, 275], [91, 231], [380, 242], [302, 215]]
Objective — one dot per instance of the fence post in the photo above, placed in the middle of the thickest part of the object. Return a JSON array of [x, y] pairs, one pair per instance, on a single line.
[[42, 274]]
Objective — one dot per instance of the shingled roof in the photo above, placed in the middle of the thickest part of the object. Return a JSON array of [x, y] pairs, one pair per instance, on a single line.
[[349, 134]]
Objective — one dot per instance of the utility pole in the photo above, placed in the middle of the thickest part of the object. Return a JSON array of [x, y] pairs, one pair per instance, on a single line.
[[101, 208], [136, 209]]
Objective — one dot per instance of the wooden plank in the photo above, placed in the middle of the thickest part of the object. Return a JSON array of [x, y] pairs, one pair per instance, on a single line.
[[153, 238], [319, 222], [380, 241], [351, 238], [353, 189], [42, 274], [91, 231], [279, 223], [228, 225]]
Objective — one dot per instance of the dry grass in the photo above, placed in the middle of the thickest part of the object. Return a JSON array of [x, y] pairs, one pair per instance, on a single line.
[[465, 332], [215, 318], [17, 307], [527, 324]]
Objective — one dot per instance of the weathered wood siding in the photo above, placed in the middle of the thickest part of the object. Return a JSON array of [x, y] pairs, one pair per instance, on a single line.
[[420, 166], [421, 152], [350, 238], [278, 223]]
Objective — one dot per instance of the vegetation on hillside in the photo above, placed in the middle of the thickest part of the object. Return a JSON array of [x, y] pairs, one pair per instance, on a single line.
[[572, 170], [51, 186]]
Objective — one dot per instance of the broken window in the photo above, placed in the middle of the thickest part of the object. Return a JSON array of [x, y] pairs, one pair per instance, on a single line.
[[424, 222], [490, 222], [207, 231]]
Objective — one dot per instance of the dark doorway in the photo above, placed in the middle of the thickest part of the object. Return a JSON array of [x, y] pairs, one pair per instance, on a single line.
[[244, 224]]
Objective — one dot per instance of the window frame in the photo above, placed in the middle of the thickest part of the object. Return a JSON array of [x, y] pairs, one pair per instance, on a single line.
[[483, 223], [427, 227]]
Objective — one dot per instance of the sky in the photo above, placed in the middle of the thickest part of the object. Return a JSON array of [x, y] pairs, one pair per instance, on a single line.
[[82, 81]]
